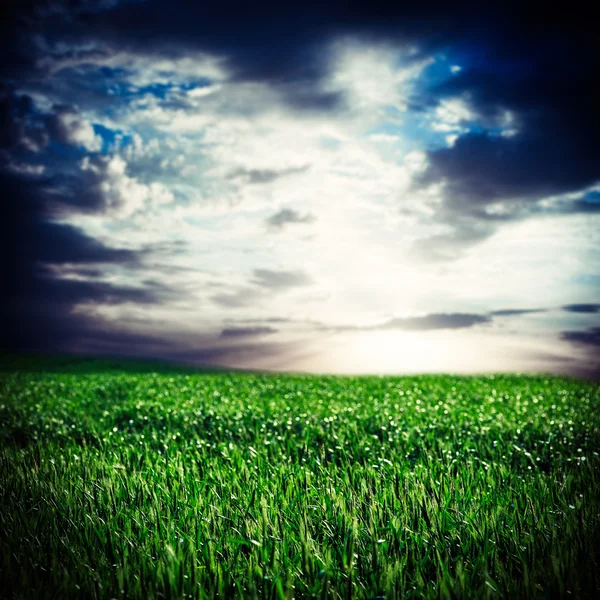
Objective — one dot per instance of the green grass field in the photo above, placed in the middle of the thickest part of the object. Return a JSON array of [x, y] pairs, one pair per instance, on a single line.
[[138, 482]]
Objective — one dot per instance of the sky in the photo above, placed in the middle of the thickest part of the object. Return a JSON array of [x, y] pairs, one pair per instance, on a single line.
[[346, 187]]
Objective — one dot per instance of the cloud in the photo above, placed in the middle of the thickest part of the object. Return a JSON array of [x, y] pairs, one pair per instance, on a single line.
[[25, 169], [588, 337], [240, 298], [240, 332], [103, 185], [481, 169], [582, 308], [25, 128], [281, 280], [553, 144], [58, 243], [48, 269], [435, 321], [282, 45], [452, 114], [198, 123], [66, 126], [30, 238], [527, 128], [429, 322], [513, 312], [287, 216], [263, 176], [90, 183], [19, 130], [266, 283], [449, 246], [41, 313], [67, 292]]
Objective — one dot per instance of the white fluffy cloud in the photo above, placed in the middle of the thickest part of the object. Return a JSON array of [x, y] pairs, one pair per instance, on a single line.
[[119, 194], [67, 126], [373, 76]]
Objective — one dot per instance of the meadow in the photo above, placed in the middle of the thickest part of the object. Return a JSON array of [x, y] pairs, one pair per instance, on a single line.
[[142, 481]]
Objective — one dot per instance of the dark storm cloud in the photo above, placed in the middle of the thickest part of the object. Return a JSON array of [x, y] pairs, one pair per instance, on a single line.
[[582, 308], [481, 169], [59, 292], [60, 243], [240, 332], [37, 307], [278, 41], [288, 216], [281, 280], [588, 337], [30, 237], [18, 130], [264, 41], [273, 41], [281, 42], [544, 75]]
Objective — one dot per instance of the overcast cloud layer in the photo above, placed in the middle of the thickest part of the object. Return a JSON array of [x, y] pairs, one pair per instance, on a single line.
[[341, 186]]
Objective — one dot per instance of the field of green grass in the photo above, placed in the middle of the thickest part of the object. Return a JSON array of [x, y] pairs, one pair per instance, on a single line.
[[149, 483]]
